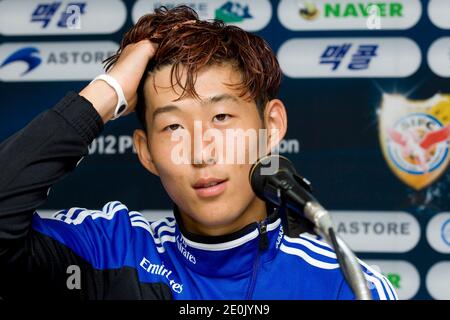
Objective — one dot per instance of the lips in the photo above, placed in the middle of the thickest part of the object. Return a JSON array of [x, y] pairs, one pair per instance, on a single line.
[[210, 187]]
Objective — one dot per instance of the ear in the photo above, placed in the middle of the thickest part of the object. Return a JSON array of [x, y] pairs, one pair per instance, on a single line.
[[140, 142], [275, 121]]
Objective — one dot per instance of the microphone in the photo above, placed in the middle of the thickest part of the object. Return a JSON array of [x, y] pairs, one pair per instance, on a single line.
[[273, 178]]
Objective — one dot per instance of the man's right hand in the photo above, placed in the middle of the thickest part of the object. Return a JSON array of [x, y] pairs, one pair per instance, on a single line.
[[128, 71]]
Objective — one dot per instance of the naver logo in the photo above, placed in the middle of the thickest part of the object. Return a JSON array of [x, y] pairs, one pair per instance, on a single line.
[[349, 14]]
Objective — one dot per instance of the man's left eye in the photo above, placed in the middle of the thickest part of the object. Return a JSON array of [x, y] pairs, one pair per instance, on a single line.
[[221, 117]]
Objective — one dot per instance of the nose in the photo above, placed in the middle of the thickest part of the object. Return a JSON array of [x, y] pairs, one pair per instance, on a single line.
[[205, 145]]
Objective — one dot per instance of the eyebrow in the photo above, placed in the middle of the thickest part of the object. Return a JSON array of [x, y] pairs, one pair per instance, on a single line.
[[164, 109], [208, 101], [219, 98]]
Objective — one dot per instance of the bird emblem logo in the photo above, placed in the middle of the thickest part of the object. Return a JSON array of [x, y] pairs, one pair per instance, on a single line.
[[414, 136]]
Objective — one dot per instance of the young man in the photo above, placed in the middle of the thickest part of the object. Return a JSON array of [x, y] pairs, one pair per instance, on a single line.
[[225, 243]]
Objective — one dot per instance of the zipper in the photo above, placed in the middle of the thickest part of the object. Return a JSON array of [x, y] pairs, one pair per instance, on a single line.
[[263, 245], [264, 238]]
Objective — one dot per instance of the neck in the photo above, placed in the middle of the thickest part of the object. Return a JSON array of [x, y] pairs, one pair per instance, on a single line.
[[255, 212]]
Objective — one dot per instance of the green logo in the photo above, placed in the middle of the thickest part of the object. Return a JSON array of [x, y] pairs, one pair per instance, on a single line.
[[394, 279], [356, 10], [309, 11], [232, 12]]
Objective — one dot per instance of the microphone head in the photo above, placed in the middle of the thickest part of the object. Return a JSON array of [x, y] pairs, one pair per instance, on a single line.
[[266, 167]]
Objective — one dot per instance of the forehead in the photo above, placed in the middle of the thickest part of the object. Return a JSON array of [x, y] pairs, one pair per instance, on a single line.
[[210, 81]]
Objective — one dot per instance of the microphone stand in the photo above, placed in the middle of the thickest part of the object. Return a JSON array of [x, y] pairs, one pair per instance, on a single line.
[[281, 189], [288, 189], [347, 259]]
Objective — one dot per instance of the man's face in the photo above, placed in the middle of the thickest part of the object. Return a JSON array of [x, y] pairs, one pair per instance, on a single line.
[[189, 184]]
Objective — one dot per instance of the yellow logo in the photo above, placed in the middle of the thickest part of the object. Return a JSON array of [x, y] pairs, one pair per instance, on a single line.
[[414, 136], [308, 10]]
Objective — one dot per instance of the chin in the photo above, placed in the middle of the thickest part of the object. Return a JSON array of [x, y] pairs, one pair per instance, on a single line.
[[216, 216]]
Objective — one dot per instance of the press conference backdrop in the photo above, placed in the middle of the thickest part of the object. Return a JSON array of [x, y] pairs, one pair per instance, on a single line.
[[368, 97]]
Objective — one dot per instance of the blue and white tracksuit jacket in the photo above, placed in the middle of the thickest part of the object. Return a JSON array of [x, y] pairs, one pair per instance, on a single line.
[[121, 255]]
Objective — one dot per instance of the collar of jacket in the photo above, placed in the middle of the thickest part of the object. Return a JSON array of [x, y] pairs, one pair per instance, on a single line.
[[232, 254]]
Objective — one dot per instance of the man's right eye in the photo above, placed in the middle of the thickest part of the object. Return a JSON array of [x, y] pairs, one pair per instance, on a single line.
[[172, 127]]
